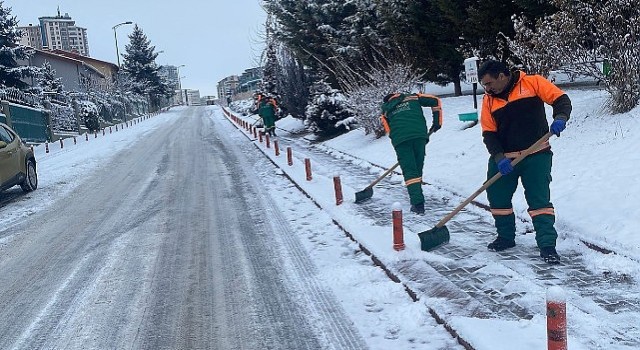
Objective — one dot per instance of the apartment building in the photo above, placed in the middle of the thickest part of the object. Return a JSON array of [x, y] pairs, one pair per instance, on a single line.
[[228, 87], [31, 36], [57, 33]]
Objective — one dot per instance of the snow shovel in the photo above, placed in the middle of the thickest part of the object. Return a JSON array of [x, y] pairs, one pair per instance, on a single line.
[[368, 191], [435, 237]]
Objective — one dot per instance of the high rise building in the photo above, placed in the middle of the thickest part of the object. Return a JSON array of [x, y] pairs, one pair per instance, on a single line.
[[58, 33], [31, 36]]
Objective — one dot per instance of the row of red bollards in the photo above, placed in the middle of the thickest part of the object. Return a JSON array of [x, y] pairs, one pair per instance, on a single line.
[[556, 303]]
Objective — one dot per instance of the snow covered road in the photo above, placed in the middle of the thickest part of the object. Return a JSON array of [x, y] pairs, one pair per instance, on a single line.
[[174, 233]]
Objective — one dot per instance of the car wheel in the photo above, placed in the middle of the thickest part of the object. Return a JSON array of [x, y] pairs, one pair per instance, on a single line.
[[30, 182]]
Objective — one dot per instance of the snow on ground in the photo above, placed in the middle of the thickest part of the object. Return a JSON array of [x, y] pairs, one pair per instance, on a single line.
[[594, 190]]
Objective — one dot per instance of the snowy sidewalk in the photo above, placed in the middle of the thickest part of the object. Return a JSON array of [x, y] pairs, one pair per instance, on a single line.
[[481, 296]]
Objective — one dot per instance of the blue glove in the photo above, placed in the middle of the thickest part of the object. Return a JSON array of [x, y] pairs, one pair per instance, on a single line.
[[505, 167], [557, 126]]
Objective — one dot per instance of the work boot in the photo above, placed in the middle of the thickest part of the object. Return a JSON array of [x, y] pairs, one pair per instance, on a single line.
[[418, 208], [501, 244], [550, 255]]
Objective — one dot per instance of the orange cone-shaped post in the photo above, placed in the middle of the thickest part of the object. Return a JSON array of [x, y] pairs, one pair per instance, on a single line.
[[556, 319], [398, 231]]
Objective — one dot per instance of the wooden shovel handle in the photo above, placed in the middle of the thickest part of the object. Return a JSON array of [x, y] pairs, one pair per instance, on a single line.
[[493, 179], [383, 175], [390, 169]]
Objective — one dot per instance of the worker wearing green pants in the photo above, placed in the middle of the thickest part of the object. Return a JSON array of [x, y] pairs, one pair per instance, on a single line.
[[405, 123], [535, 173]]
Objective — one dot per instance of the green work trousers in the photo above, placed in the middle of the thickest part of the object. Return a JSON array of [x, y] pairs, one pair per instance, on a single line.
[[535, 174], [410, 155]]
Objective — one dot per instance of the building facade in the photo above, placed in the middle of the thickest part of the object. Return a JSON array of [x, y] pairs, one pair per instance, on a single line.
[[75, 74], [31, 36], [228, 87], [57, 33], [108, 69]]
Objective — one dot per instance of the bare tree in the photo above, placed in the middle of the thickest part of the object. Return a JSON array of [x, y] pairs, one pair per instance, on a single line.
[[584, 37]]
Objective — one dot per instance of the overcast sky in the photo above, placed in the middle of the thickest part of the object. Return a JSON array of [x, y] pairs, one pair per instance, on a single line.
[[212, 38]]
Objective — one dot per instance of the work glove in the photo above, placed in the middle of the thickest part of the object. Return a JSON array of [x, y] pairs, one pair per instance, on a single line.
[[557, 126], [505, 167], [434, 128]]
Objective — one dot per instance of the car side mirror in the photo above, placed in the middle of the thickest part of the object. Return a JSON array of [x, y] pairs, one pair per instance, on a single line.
[[3, 144]]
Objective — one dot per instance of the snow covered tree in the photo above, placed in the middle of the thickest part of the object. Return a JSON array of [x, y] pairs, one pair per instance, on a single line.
[[139, 63], [328, 113], [294, 92], [385, 74], [89, 115], [10, 51], [48, 80], [583, 36], [272, 71]]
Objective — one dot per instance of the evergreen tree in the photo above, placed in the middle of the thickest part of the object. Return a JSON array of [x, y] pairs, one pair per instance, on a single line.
[[272, 71], [48, 81], [10, 52], [139, 64], [328, 113]]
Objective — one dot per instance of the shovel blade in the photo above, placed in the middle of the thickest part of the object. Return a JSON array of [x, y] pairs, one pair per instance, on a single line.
[[433, 238], [364, 194]]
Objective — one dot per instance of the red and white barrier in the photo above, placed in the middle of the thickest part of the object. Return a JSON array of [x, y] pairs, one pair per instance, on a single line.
[[556, 319], [337, 188], [398, 231], [307, 168]]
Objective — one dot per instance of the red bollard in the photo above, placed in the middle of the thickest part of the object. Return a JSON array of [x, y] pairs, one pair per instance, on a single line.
[[289, 156], [110, 131], [275, 146], [74, 141], [260, 136], [255, 133], [116, 127], [307, 168], [46, 147], [61, 144], [266, 140], [337, 187], [86, 136], [398, 232], [556, 319]]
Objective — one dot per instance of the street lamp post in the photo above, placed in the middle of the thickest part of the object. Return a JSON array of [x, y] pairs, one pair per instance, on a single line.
[[115, 35]]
